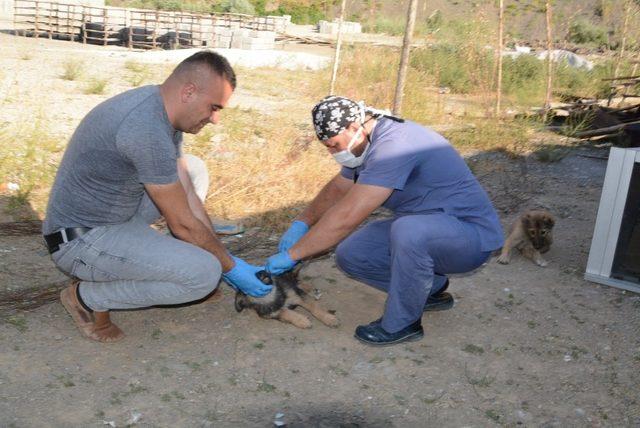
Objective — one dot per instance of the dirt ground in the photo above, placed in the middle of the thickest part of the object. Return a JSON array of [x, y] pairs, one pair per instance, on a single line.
[[524, 345]]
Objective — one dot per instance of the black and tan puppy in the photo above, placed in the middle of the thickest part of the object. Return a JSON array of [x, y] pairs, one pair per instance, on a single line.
[[532, 235], [287, 294]]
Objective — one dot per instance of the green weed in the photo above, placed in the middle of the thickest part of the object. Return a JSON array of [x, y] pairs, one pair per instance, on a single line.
[[473, 349], [20, 323]]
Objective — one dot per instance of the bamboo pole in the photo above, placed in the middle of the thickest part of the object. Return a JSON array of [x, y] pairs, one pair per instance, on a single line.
[[547, 98], [500, 46], [404, 59], [336, 58]]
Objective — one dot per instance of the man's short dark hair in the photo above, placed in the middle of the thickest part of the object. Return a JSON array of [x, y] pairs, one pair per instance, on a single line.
[[216, 63]]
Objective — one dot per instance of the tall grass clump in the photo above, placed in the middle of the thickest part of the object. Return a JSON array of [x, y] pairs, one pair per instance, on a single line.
[[29, 156], [96, 86], [72, 69], [138, 73]]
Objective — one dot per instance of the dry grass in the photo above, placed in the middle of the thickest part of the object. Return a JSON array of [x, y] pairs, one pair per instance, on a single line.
[[96, 86], [264, 165], [72, 69], [29, 157], [264, 160]]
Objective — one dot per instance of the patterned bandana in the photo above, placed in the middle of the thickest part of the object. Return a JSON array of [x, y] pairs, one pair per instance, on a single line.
[[334, 114]]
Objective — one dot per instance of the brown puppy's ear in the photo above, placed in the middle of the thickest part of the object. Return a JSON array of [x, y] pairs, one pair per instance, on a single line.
[[549, 221], [526, 220]]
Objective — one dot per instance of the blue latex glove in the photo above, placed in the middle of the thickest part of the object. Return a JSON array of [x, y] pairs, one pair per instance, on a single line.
[[280, 263], [243, 277], [292, 235]]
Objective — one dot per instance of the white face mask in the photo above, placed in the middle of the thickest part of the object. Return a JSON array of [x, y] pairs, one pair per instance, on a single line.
[[348, 159]]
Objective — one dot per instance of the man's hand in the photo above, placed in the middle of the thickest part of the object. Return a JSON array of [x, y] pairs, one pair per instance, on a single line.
[[243, 277], [280, 263], [292, 235]]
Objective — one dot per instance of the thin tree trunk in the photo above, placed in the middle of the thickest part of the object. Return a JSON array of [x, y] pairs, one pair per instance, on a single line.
[[547, 99], [336, 59], [404, 59], [625, 24], [500, 45]]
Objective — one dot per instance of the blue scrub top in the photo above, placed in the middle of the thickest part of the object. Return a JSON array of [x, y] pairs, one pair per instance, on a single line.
[[427, 175]]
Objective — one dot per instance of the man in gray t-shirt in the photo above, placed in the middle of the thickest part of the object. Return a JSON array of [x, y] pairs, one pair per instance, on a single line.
[[122, 170]]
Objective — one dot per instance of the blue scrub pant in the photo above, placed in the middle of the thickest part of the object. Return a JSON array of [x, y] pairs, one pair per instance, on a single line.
[[401, 255]]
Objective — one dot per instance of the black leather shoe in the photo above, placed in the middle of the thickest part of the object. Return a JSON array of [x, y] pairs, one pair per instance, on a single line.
[[374, 334], [439, 302]]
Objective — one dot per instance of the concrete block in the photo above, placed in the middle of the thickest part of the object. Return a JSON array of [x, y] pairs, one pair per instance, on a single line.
[[236, 42], [241, 32], [267, 35], [223, 31]]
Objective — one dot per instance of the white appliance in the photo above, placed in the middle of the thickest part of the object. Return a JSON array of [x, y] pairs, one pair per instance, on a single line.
[[614, 258]]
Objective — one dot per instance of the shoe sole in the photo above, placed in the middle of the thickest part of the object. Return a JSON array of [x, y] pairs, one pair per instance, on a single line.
[[435, 307], [411, 338]]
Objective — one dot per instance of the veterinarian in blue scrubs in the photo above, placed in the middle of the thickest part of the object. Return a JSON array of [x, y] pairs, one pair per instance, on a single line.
[[443, 221]]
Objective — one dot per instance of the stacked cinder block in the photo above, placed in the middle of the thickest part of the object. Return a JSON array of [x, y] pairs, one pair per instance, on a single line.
[[222, 37], [325, 27], [252, 39]]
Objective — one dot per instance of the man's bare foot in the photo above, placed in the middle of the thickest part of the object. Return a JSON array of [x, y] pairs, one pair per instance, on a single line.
[[215, 297], [95, 326]]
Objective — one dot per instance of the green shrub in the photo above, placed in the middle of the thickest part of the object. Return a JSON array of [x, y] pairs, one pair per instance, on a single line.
[[235, 6], [300, 14], [584, 32], [459, 68], [385, 25]]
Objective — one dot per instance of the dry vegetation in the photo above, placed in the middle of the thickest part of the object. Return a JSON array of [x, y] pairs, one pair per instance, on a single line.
[[264, 161]]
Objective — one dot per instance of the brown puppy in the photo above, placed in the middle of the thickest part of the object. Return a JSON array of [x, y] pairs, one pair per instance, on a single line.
[[531, 234], [287, 294]]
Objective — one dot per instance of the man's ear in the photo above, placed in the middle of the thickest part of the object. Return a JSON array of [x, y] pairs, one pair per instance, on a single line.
[[353, 126], [188, 92]]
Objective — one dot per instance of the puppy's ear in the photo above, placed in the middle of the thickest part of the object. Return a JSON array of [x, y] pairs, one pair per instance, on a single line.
[[549, 221], [240, 302]]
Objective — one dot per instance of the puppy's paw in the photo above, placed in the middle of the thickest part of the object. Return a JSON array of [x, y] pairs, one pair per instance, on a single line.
[[542, 262], [503, 259], [330, 321], [303, 322]]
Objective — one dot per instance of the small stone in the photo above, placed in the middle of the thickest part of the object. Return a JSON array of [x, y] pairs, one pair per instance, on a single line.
[[57, 337], [580, 412], [567, 358]]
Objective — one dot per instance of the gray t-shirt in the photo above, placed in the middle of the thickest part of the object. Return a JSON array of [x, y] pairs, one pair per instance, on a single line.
[[123, 143]]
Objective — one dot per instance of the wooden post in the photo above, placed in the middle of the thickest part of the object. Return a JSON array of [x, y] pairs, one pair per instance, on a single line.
[[36, 20], [547, 98], [336, 58], [500, 45], [627, 12], [50, 21], [155, 30], [404, 59], [105, 19], [84, 27]]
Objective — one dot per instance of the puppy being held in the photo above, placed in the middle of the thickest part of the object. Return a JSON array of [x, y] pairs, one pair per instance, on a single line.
[[287, 294], [531, 234]]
